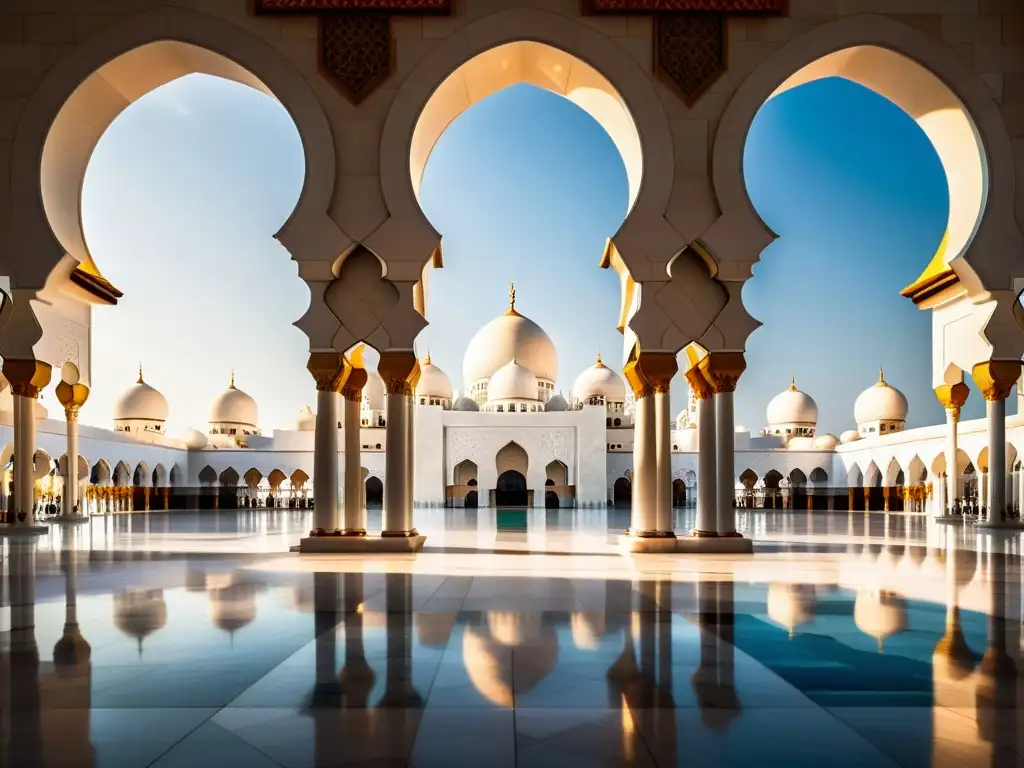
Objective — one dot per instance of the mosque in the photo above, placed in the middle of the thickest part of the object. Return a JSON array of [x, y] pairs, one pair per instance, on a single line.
[[508, 438]]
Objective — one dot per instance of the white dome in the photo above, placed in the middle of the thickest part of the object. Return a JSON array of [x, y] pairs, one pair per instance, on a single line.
[[307, 420], [373, 391], [826, 442], [849, 436], [465, 404], [233, 406], [194, 439], [510, 336], [880, 402], [599, 381], [800, 443], [512, 382], [433, 382], [792, 407], [556, 403], [140, 401]]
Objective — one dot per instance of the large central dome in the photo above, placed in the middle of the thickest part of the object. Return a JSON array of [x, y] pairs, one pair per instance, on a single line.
[[509, 337]]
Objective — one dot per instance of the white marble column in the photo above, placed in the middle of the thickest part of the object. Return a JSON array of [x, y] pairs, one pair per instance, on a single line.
[[397, 493], [996, 414], [952, 419], [725, 458], [643, 515], [71, 476], [707, 472], [325, 463], [663, 462], [983, 493], [24, 456], [355, 512]]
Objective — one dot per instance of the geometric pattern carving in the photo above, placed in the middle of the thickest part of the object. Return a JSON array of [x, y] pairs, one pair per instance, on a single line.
[[684, 6], [462, 444], [690, 51], [556, 444], [355, 50], [378, 6]]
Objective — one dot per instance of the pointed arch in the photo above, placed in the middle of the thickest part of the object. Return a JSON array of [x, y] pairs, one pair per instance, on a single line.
[[160, 476], [176, 476], [748, 478], [141, 477], [916, 471], [556, 473], [622, 491], [512, 457], [465, 473], [122, 475], [892, 472], [298, 478], [208, 476], [101, 473], [275, 478], [253, 477]]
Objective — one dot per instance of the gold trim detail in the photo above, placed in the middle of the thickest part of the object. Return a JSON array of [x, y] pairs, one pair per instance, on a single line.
[[511, 311], [353, 387], [650, 372], [330, 370], [952, 396], [27, 377], [704, 534], [701, 387], [996, 378], [400, 371], [722, 370], [72, 397], [937, 276]]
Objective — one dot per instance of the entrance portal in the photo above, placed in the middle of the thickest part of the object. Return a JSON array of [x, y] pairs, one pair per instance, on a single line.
[[511, 490]]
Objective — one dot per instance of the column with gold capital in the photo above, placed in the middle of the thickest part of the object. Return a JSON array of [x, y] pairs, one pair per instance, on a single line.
[[657, 370], [354, 523], [995, 379], [952, 397], [329, 370], [400, 371], [643, 514], [72, 395], [707, 473], [27, 379], [723, 371]]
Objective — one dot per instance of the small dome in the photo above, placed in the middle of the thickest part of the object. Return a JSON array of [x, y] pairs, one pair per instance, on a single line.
[[233, 406], [434, 628], [512, 382], [880, 614], [140, 401], [465, 404], [433, 381], [489, 664], [194, 440], [849, 436], [800, 443], [510, 336], [880, 402], [599, 381], [556, 403], [306, 421], [140, 613], [587, 630], [826, 442], [792, 407], [373, 391], [791, 605], [233, 607]]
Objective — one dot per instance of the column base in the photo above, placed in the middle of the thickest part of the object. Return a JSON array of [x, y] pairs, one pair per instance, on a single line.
[[411, 533], [353, 532], [320, 533], [33, 529], [693, 545], [703, 534], [355, 545], [734, 534], [69, 519], [650, 534]]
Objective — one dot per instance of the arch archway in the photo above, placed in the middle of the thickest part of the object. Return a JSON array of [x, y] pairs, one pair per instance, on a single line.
[[227, 489], [374, 491], [772, 491], [622, 491], [951, 104], [511, 489], [99, 78]]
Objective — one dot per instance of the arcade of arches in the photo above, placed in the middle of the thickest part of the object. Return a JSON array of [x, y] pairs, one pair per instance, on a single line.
[[365, 249]]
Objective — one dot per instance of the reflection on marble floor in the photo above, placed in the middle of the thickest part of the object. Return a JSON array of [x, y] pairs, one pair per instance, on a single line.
[[895, 644]]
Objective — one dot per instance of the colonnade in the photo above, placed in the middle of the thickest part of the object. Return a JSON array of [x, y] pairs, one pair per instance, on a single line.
[[995, 380], [713, 379]]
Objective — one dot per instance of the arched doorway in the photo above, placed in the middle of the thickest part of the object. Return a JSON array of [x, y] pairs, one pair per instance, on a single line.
[[227, 489], [622, 491], [678, 493], [511, 489], [374, 491], [472, 500]]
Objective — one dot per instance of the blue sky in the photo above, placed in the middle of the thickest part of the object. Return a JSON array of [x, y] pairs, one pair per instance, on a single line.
[[187, 188]]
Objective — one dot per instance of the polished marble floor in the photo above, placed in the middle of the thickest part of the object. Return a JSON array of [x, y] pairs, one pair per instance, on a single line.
[[198, 639]]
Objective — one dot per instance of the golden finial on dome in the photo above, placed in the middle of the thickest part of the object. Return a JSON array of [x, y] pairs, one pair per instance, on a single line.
[[232, 384], [427, 361], [140, 374], [881, 378], [599, 357], [792, 381], [511, 298]]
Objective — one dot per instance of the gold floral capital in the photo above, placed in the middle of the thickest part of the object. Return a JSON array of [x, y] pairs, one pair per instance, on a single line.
[[27, 377], [702, 388], [650, 372], [952, 396], [353, 389], [722, 370], [996, 378], [72, 397], [400, 371], [329, 370]]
